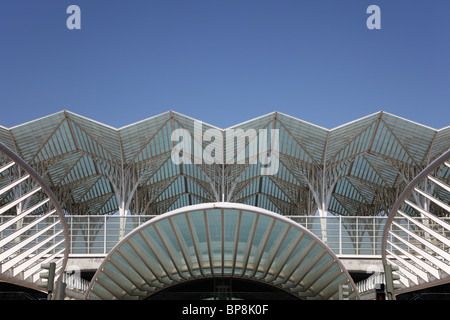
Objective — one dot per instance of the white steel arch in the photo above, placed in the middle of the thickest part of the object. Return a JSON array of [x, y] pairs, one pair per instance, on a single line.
[[416, 237], [32, 226], [220, 240]]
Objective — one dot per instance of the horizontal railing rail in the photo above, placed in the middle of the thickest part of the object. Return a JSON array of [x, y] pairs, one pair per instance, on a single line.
[[345, 236]]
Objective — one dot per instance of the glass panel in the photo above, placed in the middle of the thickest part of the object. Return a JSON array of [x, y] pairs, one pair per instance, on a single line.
[[293, 257], [156, 245], [274, 240], [168, 236], [258, 241], [182, 229], [247, 221], [316, 250], [287, 244], [230, 228], [146, 254], [214, 217], [198, 229]]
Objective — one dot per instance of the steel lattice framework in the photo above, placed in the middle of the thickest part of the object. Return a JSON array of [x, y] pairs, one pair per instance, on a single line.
[[37, 233], [356, 169]]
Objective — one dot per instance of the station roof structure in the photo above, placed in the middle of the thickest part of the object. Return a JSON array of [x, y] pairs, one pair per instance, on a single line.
[[358, 168]]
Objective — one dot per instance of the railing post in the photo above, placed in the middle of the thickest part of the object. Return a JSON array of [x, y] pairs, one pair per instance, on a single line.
[[357, 236], [104, 234], [88, 235], [340, 234], [374, 236], [71, 234]]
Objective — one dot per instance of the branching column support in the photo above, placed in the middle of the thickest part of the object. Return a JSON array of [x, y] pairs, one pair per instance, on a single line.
[[124, 181], [322, 185], [324, 190], [322, 180], [221, 175], [223, 179], [124, 191]]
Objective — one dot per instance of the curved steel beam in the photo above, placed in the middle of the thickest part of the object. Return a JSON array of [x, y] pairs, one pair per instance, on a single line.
[[415, 247], [26, 245]]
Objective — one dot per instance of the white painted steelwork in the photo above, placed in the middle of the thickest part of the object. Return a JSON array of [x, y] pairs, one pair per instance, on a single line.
[[370, 283], [355, 169], [32, 226], [416, 237], [220, 240]]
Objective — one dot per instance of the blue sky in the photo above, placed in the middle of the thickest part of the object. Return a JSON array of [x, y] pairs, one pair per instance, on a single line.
[[225, 61]]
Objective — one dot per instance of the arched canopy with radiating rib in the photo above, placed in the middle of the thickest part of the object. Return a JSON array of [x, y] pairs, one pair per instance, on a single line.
[[32, 226], [220, 240], [416, 234]]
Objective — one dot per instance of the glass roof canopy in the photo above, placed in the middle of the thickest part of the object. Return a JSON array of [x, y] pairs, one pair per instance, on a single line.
[[358, 168], [220, 240]]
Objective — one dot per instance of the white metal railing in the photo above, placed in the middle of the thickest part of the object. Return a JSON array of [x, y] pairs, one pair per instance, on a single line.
[[345, 236]]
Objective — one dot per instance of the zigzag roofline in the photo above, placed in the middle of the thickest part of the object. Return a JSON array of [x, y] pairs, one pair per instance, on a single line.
[[381, 112]]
